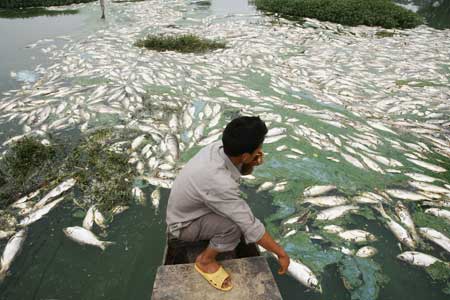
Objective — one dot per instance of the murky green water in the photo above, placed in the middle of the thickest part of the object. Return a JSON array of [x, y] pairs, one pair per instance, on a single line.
[[54, 267]]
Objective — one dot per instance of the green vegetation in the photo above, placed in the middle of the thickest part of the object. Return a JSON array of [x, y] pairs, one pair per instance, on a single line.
[[382, 13], [24, 168], [437, 17], [103, 176], [362, 277], [187, 43], [34, 12], [37, 3], [440, 271]]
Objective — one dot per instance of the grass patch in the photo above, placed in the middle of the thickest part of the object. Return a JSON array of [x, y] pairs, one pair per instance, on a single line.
[[382, 13], [34, 12], [38, 3], [187, 43]]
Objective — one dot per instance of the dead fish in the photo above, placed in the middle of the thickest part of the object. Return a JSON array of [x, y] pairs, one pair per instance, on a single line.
[[436, 237], [427, 165], [418, 259], [317, 190], [399, 232], [265, 186], [88, 221], [173, 146], [366, 252], [405, 195], [335, 212], [326, 201], [61, 188], [12, 249], [156, 197], [357, 236], [84, 236], [441, 213], [39, 213]]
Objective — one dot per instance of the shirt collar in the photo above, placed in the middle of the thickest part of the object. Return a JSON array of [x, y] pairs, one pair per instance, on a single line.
[[235, 173]]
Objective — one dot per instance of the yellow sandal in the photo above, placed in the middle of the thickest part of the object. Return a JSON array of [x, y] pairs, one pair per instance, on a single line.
[[216, 279]]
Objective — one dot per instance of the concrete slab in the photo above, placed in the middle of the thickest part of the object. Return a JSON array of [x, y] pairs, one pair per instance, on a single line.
[[251, 277]]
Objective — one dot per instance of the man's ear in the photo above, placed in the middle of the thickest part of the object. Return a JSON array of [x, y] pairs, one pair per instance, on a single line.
[[246, 158]]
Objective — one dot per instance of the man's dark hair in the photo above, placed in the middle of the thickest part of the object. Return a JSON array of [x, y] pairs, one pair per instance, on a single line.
[[243, 135]]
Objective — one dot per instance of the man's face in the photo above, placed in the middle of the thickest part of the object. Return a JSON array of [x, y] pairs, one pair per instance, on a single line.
[[254, 158]]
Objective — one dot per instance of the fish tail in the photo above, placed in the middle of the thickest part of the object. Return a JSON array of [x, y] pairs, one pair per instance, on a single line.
[[3, 274], [381, 210], [106, 244]]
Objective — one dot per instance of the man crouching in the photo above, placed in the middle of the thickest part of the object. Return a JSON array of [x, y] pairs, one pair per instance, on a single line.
[[205, 202]]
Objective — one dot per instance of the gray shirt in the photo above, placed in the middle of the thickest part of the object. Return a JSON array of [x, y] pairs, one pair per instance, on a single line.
[[209, 183]]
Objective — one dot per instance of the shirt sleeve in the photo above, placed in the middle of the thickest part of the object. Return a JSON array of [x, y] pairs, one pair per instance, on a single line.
[[228, 203]]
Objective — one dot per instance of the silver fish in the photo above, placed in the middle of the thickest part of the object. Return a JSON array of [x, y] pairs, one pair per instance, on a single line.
[[39, 213], [84, 236], [417, 258], [12, 249], [317, 190]]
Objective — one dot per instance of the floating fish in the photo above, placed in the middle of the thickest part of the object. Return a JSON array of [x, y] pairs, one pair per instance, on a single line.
[[11, 251], [417, 258], [39, 213], [366, 252], [84, 236], [318, 190], [436, 237], [335, 212]]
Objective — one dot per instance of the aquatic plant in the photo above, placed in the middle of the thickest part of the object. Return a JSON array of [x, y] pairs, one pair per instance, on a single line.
[[103, 176], [440, 271], [23, 168], [34, 12], [38, 3], [382, 13], [187, 43], [362, 277]]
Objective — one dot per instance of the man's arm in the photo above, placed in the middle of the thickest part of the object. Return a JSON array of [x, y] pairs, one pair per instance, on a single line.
[[269, 244]]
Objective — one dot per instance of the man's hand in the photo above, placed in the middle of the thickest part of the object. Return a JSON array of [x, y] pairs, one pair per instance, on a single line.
[[269, 244], [284, 264]]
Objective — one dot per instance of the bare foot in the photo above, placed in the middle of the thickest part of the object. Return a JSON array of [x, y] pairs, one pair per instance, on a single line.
[[211, 267]]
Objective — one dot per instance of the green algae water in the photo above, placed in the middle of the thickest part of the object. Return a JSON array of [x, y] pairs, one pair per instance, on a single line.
[[51, 266]]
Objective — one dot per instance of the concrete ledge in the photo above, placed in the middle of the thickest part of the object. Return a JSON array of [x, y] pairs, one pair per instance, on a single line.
[[251, 277]]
